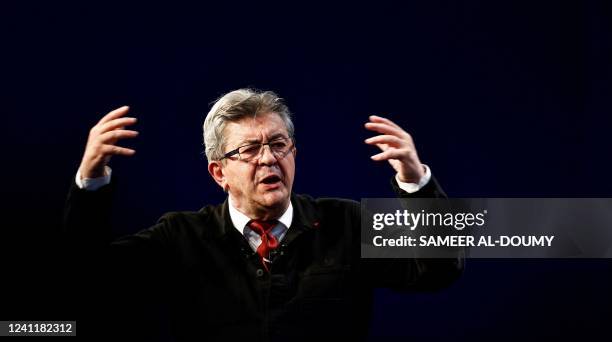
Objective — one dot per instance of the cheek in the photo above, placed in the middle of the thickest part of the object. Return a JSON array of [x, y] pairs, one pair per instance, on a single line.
[[289, 170], [244, 177]]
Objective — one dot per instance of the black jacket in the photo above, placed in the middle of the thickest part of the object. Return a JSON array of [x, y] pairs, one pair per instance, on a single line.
[[216, 288]]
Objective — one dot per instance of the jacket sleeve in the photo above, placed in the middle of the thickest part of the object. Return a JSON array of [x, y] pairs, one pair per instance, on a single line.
[[416, 274], [87, 216], [87, 229]]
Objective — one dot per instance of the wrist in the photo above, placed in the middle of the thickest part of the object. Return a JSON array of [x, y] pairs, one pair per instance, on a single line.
[[414, 177], [89, 173]]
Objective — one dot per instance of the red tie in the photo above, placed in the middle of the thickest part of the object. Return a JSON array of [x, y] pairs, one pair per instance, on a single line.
[[268, 240]]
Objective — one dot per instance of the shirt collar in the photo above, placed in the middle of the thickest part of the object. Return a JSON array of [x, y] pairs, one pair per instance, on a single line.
[[240, 220]]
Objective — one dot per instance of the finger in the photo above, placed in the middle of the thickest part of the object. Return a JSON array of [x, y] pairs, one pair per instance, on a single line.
[[113, 136], [114, 114], [384, 139], [385, 129], [117, 150], [383, 147], [391, 153], [380, 119], [116, 123]]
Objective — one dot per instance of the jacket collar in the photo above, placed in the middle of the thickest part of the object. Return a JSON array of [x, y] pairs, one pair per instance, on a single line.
[[305, 218], [305, 213]]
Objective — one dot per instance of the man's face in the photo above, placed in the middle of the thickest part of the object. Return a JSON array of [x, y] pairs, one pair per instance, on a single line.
[[261, 186]]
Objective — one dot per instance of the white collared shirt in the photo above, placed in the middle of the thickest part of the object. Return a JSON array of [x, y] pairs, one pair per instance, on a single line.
[[240, 221]]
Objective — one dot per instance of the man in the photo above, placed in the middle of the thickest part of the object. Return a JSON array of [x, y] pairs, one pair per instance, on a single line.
[[266, 264]]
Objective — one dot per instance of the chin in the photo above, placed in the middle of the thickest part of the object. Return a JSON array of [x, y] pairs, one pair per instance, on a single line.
[[275, 198]]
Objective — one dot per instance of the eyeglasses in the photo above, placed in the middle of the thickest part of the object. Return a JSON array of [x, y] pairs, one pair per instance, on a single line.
[[279, 148]]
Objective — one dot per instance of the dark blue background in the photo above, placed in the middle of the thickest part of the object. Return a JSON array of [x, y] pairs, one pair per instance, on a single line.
[[503, 99]]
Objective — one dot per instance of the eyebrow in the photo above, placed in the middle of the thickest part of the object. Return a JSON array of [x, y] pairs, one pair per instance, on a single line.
[[257, 141]]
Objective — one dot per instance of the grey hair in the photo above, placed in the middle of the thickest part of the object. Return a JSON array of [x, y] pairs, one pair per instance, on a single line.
[[235, 106]]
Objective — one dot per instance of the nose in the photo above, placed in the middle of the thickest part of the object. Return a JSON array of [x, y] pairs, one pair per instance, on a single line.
[[267, 157]]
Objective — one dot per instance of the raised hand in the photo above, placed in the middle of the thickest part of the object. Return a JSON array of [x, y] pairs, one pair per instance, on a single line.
[[102, 140], [397, 148]]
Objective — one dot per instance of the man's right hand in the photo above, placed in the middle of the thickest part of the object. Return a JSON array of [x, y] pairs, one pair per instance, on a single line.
[[102, 140]]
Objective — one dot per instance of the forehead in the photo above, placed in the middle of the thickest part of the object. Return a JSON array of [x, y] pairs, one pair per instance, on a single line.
[[254, 128]]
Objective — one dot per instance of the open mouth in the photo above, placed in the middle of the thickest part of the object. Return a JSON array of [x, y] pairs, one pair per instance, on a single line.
[[271, 179]]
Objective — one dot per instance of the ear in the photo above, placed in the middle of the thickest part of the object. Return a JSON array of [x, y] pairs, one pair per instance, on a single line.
[[215, 168]]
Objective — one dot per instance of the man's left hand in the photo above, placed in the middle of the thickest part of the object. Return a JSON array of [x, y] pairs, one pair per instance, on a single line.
[[397, 148]]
